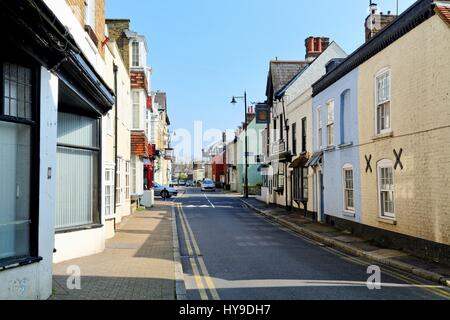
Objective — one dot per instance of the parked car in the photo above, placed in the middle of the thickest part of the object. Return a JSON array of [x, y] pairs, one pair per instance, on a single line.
[[189, 183], [208, 185], [174, 183], [164, 191], [182, 183]]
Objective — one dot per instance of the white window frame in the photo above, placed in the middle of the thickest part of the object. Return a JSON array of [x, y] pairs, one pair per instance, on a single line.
[[118, 189], [385, 164], [345, 188], [136, 113], [330, 122], [127, 179], [385, 102], [135, 55], [319, 128], [109, 183]]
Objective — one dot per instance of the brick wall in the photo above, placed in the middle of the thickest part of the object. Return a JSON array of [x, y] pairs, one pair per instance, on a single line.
[[78, 9], [420, 116], [139, 144], [116, 29], [139, 80]]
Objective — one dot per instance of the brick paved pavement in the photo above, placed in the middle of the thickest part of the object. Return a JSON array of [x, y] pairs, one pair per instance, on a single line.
[[138, 263]]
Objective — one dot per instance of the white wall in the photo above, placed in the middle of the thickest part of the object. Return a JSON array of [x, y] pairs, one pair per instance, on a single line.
[[35, 281], [79, 244]]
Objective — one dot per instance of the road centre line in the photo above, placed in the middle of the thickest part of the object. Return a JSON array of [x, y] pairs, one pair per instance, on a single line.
[[212, 205]]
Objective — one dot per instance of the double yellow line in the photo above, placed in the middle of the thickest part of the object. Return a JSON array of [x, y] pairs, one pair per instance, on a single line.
[[202, 278]]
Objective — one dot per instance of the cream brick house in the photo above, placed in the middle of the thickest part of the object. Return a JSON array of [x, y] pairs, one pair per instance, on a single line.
[[403, 103]]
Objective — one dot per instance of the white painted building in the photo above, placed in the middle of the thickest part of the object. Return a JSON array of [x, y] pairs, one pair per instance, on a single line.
[[53, 100]]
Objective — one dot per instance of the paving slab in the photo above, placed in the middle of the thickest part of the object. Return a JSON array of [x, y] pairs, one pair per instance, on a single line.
[[137, 264]]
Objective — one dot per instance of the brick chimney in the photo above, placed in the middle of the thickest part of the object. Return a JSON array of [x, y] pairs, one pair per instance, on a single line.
[[250, 114], [117, 28], [377, 21], [315, 46]]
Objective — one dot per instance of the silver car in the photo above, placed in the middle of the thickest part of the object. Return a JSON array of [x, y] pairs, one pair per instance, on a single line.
[[164, 191], [208, 185]]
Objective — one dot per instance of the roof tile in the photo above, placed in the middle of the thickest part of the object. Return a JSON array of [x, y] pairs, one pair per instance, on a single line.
[[444, 13]]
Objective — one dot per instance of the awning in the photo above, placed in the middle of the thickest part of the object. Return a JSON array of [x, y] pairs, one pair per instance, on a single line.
[[315, 159], [33, 28], [300, 162]]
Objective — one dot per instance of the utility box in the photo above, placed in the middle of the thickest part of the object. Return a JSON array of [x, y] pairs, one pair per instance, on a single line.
[[148, 199]]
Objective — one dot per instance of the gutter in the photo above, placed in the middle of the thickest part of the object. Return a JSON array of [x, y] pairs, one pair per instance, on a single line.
[[115, 70]]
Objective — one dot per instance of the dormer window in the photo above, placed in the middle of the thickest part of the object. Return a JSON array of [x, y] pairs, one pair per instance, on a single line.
[[135, 54]]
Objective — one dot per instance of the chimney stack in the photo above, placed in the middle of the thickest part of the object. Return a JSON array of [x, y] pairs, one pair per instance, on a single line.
[[377, 21], [315, 46]]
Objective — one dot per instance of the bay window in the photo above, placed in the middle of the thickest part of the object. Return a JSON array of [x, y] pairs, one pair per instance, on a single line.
[[109, 192], [135, 54], [119, 182], [18, 141], [127, 180], [136, 110]]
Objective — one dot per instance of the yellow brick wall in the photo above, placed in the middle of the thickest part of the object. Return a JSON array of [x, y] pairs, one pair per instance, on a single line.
[[78, 9], [420, 110]]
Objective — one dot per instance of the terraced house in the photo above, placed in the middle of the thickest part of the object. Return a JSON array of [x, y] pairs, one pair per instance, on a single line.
[[54, 98], [387, 178], [134, 51], [288, 178]]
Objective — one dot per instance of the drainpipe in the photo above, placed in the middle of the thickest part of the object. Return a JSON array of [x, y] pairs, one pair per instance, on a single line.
[[115, 69], [288, 207]]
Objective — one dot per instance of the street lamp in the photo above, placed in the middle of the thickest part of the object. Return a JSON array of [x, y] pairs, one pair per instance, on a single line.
[[233, 101]]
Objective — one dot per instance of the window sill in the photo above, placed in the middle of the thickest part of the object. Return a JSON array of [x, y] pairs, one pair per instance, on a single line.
[[345, 145], [349, 214], [387, 220], [18, 262], [80, 228], [384, 135], [329, 148]]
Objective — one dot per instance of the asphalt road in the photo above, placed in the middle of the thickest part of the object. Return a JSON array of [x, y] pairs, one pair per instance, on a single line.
[[229, 252]]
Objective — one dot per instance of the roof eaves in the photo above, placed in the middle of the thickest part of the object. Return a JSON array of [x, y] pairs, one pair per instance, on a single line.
[[419, 12]]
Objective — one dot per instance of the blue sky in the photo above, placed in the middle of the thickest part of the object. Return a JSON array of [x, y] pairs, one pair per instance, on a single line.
[[205, 51]]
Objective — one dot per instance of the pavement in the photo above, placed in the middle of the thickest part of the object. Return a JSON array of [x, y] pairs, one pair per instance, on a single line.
[[230, 252], [137, 264], [350, 244]]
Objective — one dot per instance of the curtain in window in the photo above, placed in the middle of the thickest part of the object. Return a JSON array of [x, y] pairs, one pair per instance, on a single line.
[[15, 159], [77, 171], [74, 185]]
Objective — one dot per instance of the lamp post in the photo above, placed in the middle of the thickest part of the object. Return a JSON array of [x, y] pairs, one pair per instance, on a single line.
[[233, 101]]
